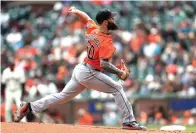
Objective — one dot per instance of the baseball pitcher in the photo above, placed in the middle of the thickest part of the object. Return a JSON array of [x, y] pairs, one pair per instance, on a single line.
[[89, 74]]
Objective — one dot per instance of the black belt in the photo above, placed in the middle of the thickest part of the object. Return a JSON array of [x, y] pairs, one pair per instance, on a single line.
[[89, 66]]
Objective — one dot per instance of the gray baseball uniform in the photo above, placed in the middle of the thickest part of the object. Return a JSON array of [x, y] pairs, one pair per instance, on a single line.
[[85, 76]]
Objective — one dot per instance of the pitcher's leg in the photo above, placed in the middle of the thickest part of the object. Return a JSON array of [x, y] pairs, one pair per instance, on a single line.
[[104, 83], [124, 105], [72, 89]]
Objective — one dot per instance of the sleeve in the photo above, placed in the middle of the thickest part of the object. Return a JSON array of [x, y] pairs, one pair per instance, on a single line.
[[106, 50], [22, 76], [90, 26]]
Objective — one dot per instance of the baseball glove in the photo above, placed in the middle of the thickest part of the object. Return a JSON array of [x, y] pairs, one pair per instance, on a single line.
[[123, 66]]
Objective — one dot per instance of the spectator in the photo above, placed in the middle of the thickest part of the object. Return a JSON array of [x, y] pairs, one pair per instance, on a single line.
[[188, 120], [39, 43], [5, 17], [110, 116], [84, 118], [143, 118], [14, 38]]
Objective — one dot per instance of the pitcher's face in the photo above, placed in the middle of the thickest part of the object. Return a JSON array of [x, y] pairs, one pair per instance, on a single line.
[[111, 24]]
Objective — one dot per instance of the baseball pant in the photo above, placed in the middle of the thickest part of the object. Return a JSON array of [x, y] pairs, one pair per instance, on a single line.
[[84, 77], [10, 97]]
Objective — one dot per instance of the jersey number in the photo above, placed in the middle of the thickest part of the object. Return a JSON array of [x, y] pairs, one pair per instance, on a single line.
[[90, 51]]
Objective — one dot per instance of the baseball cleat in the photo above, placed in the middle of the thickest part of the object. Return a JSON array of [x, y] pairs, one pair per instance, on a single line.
[[22, 111], [133, 126]]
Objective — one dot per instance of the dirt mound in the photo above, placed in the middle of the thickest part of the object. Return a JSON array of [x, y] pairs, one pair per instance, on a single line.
[[64, 128]]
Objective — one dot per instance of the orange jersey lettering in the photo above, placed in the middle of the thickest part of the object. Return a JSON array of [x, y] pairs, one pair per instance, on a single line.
[[99, 45]]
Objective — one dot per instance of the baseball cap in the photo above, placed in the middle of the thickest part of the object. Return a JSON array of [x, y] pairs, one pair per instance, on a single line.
[[104, 14]]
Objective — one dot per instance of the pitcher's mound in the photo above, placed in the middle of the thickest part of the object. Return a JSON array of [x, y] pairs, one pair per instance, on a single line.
[[64, 128]]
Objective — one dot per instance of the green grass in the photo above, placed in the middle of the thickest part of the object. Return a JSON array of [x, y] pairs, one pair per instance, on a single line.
[[188, 128]]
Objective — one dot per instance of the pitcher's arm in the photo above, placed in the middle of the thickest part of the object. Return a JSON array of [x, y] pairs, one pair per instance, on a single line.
[[81, 15], [110, 67]]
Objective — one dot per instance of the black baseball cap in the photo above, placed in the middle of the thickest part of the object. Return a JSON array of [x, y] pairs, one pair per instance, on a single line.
[[104, 14]]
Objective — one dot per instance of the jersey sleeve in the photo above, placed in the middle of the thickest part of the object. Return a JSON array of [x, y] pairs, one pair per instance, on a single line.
[[90, 26], [106, 50], [22, 76]]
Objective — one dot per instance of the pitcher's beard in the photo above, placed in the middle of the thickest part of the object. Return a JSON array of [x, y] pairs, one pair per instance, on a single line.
[[112, 26]]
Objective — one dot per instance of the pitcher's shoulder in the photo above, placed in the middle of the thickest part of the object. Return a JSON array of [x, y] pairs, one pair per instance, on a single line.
[[90, 26]]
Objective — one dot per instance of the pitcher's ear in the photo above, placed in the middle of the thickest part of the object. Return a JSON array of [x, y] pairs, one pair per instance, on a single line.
[[105, 22]]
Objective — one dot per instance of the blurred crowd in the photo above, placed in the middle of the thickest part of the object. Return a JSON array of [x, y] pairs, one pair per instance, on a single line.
[[156, 39], [160, 116], [159, 44]]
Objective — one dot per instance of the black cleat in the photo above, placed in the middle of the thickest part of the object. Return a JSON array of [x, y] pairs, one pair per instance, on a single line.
[[133, 126]]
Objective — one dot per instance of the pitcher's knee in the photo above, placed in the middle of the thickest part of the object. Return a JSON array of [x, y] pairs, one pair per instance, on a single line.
[[118, 87]]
